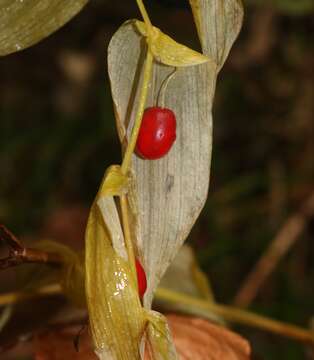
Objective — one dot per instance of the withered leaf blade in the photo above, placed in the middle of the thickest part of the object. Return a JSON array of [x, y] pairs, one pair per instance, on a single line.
[[160, 346], [184, 266], [25, 22], [218, 24], [115, 313], [198, 339], [170, 191], [116, 316]]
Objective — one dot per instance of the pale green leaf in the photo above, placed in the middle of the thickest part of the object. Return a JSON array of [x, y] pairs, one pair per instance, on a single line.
[[169, 192], [25, 22], [218, 24]]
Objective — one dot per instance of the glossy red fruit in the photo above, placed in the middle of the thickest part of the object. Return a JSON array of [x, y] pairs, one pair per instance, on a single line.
[[157, 133], [141, 278]]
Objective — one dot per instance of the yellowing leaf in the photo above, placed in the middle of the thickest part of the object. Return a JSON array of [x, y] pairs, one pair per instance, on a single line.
[[198, 339], [218, 24], [161, 345], [168, 52], [116, 316], [26, 22], [115, 312], [114, 183]]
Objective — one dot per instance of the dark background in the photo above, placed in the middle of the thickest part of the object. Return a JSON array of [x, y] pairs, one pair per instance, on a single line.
[[57, 136]]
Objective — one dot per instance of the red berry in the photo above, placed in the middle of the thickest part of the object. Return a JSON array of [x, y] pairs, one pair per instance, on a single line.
[[141, 278], [157, 133]]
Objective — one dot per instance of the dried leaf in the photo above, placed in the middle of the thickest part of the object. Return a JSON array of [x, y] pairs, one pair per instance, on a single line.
[[25, 22], [168, 52], [169, 192], [115, 182], [198, 339], [160, 343], [218, 23], [58, 345], [184, 266], [195, 284]]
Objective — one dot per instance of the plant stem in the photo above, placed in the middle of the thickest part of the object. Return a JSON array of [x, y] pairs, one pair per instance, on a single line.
[[138, 119], [239, 316], [128, 156], [19, 254], [162, 91], [144, 15], [127, 235]]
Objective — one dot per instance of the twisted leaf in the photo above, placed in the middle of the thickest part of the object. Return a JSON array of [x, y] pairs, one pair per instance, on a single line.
[[116, 317], [218, 24], [169, 192]]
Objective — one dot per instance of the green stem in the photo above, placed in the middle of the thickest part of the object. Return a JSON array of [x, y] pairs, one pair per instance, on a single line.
[[144, 15], [138, 119], [127, 235], [239, 316]]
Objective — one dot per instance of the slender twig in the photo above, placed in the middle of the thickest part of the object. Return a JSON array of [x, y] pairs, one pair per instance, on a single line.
[[9, 238], [283, 241], [18, 254], [139, 114], [127, 235], [239, 316], [128, 156], [144, 14]]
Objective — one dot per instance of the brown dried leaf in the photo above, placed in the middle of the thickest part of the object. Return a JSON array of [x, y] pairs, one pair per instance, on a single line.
[[59, 345], [198, 339], [25, 22]]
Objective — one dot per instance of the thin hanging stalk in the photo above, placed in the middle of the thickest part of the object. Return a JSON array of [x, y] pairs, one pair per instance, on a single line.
[[144, 15], [127, 235], [239, 316]]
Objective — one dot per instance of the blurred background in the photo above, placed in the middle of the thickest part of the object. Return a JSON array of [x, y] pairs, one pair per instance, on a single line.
[[57, 136]]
